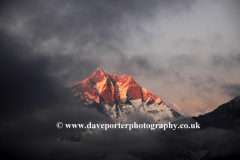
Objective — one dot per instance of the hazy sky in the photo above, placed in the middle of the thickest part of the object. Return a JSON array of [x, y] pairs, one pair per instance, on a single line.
[[186, 52]]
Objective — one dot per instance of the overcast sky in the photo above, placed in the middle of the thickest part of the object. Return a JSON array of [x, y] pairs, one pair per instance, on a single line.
[[186, 52]]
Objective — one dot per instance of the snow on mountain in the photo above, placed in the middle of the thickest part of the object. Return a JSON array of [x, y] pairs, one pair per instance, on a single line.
[[179, 109], [120, 97]]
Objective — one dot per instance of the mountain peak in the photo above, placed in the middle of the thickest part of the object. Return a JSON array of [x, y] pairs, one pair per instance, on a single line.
[[125, 75], [119, 96], [112, 88], [99, 71]]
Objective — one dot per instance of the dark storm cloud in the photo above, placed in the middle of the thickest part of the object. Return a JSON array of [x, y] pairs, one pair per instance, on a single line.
[[232, 90], [136, 65], [195, 41], [183, 41], [27, 83], [33, 101], [203, 83], [215, 37], [31, 97], [25, 78], [27, 86], [182, 61], [227, 62], [81, 30], [78, 21]]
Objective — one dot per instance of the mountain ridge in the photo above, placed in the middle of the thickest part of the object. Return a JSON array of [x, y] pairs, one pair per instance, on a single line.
[[225, 116], [120, 96]]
